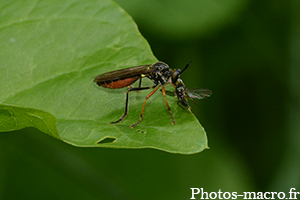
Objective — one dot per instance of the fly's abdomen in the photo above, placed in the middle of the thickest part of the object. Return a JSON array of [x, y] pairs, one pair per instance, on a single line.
[[118, 83]]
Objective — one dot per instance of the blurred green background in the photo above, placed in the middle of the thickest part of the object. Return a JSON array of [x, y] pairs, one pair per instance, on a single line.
[[247, 53]]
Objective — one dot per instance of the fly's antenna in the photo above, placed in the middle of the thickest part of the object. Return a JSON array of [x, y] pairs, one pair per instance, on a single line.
[[186, 67]]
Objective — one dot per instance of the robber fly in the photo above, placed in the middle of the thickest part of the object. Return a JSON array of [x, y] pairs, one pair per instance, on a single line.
[[159, 73]]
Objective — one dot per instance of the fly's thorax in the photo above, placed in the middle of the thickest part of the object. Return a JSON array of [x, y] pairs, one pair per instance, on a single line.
[[161, 73]]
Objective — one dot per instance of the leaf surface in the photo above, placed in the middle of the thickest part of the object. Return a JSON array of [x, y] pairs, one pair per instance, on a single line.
[[52, 50]]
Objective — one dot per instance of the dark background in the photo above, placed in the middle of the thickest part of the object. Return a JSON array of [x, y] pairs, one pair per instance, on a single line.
[[249, 58]]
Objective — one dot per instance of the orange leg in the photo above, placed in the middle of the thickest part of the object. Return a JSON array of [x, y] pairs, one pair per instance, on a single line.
[[164, 94], [147, 97], [127, 100]]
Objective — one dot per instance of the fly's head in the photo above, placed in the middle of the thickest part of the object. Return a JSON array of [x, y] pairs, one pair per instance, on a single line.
[[175, 76], [177, 73]]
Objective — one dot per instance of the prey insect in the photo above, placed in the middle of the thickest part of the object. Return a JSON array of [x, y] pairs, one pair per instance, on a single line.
[[160, 74], [182, 94]]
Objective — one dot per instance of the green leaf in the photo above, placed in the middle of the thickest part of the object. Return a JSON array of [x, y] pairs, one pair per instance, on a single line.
[[50, 52], [15, 118]]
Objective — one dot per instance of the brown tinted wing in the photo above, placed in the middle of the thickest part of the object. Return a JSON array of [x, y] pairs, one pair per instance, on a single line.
[[123, 74]]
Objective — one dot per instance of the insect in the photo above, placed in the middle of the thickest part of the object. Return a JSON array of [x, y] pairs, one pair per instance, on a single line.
[[182, 94], [160, 74]]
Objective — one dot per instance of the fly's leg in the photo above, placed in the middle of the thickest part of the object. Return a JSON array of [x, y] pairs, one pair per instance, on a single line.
[[126, 105], [140, 85], [164, 94], [148, 96]]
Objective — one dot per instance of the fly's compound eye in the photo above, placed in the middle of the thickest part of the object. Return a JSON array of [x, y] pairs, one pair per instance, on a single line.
[[175, 76]]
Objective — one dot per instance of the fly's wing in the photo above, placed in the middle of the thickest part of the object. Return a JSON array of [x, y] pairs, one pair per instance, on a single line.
[[198, 93], [123, 74]]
